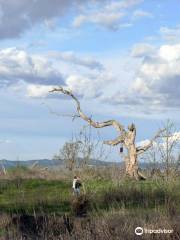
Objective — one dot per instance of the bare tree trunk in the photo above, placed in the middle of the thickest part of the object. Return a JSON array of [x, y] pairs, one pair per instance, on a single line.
[[132, 166], [131, 158]]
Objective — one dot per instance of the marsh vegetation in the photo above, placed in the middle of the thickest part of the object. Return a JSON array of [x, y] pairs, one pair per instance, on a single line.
[[35, 205]]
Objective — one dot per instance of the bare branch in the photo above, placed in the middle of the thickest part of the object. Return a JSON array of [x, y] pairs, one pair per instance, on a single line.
[[73, 116], [141, 150], [93, 123]]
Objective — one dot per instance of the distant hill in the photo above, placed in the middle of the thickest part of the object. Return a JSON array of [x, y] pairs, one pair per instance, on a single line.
[[58, 163], [47, 163], [29, 163]]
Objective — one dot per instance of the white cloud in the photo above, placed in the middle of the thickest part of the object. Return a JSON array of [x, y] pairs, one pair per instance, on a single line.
[[122, 4], [82, 85], [85, 86], [35, 75], [142, 50], [170, 52], [109, 16], [79, 84], [39, 90], [16, 65], [160, 73], [158, 80], [90, 87], [107, 20], [174, 140], [73, 58], [17, 16], [175, 137], [144, 143], [156, 85]]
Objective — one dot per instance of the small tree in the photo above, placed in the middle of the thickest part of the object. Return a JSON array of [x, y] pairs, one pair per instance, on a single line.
[[152, 158], [167, 147], [163, 154], [69, 154], [81, 150], [90, 148]]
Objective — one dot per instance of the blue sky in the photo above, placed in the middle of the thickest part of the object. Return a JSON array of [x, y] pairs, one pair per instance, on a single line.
[[121, 58]]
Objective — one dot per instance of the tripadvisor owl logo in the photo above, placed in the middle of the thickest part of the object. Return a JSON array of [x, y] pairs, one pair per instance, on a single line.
[[139, 231]]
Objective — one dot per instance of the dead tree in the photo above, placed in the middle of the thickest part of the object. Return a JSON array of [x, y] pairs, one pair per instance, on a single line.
[[126, 137]]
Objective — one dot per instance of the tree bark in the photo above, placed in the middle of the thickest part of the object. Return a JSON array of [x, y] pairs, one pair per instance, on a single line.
[[131, 158]]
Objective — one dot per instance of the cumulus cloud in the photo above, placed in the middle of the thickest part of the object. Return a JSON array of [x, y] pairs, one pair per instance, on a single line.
[[157, 81], [90, 86], [109, 16], [85, 86], [17, 65], [37, 74], [174, 138], [17, 16], [160, 74], [73, 58]]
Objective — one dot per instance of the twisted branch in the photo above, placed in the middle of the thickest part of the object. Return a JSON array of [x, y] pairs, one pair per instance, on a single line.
[[113, 123]]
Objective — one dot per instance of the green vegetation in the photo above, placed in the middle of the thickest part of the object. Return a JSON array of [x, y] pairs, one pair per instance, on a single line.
[[29, 195], [49, 196], [109, 207]]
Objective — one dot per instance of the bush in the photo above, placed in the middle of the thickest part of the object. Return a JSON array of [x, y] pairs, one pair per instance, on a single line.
[[80, 205]]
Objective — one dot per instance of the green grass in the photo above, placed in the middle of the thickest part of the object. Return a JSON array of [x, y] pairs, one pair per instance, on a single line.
[[49, 196], [21, 195]]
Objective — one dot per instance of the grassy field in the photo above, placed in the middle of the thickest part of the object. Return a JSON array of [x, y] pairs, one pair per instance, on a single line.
[[104, 203], [27, 195]]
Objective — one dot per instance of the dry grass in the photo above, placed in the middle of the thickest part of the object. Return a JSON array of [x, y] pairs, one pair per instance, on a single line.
[[115, 225]]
